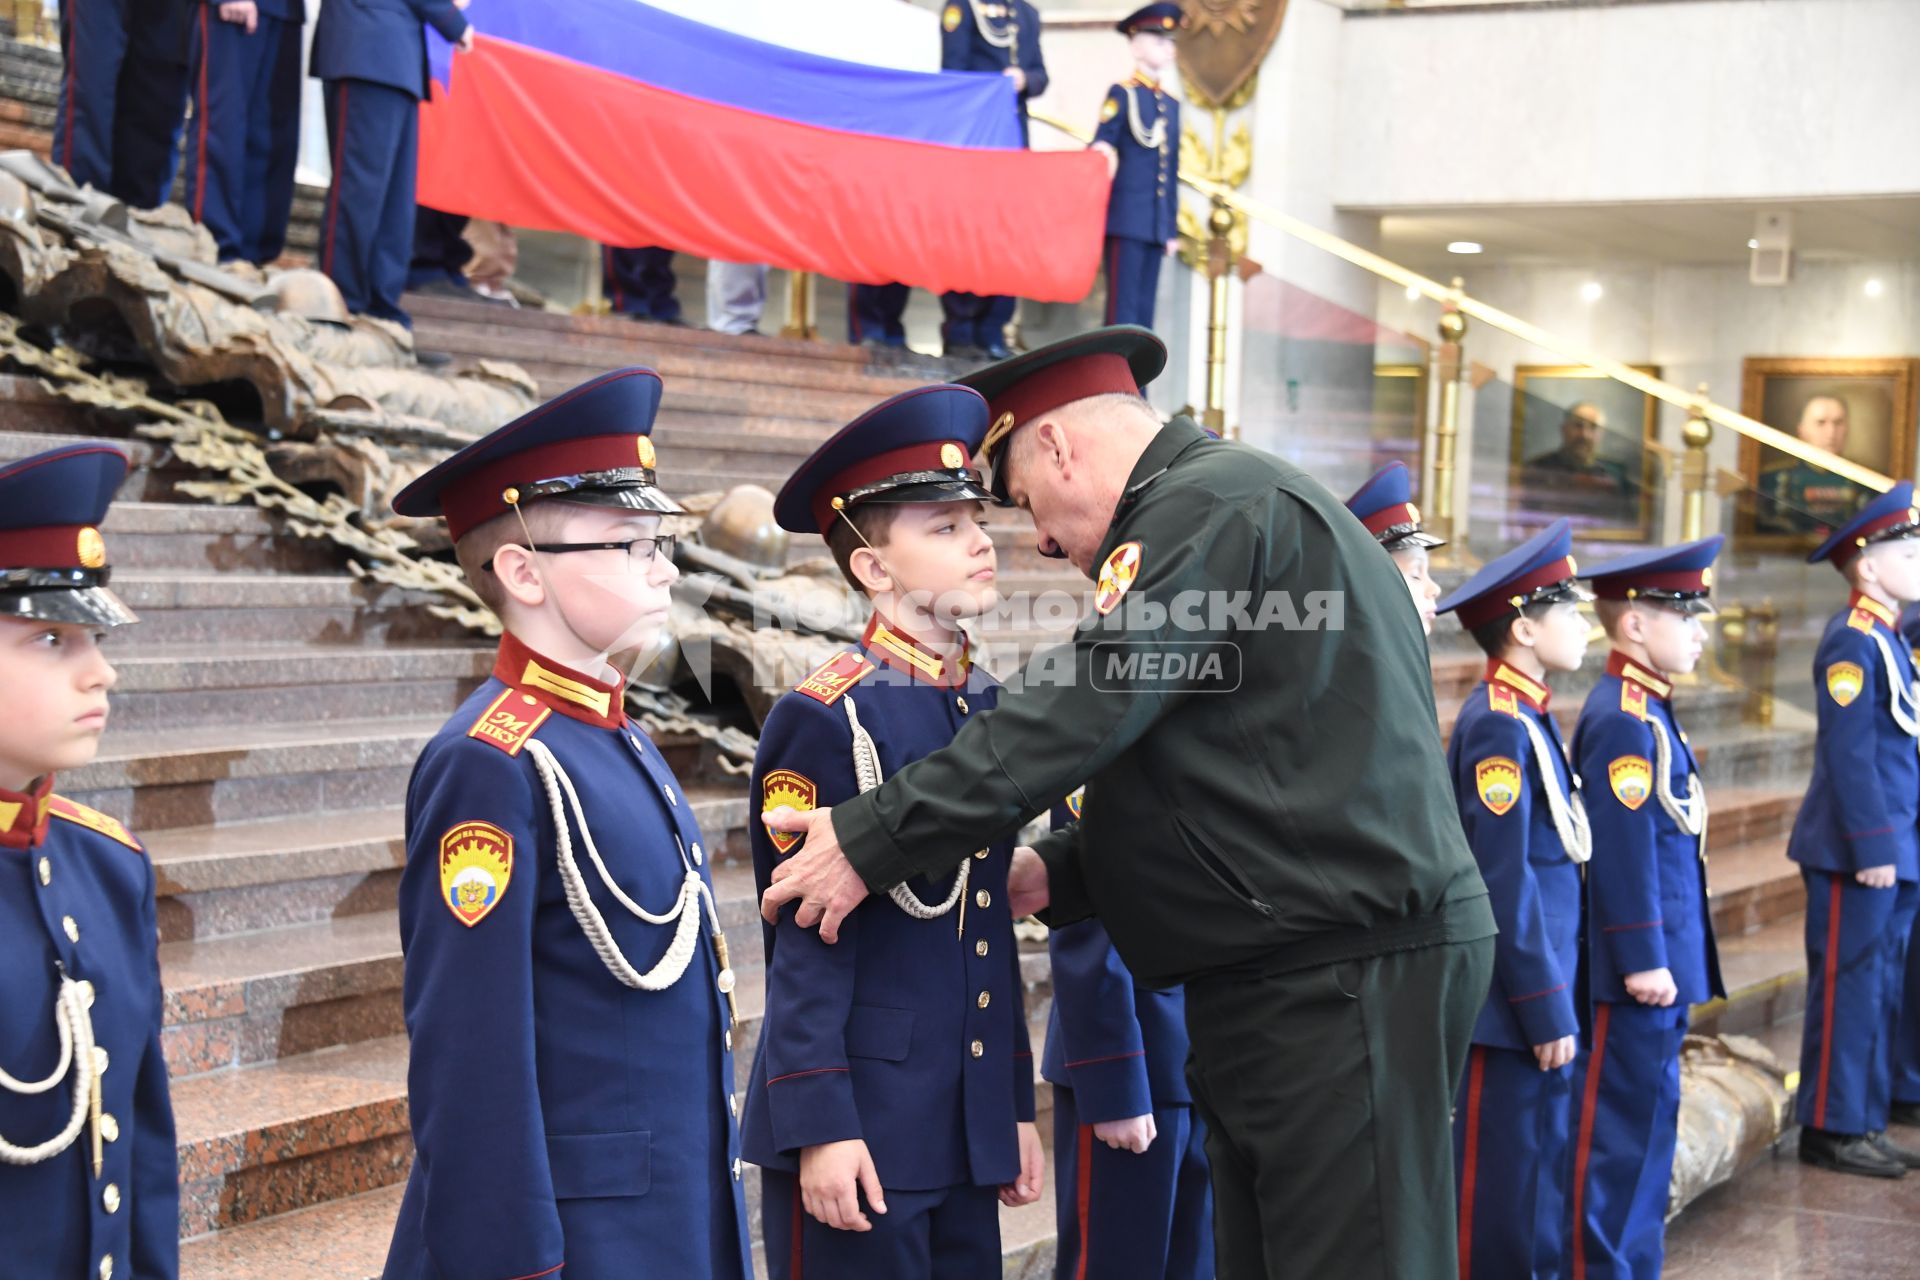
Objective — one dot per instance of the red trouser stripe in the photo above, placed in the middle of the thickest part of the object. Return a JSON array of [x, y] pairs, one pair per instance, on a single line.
[[1583, 1148], [1830, 978], [1470, 1158], [1083, 1198], [200, 109]]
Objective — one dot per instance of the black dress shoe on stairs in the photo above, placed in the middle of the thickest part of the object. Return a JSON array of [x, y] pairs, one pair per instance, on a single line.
[[1907, 1113], [1848, 1153]]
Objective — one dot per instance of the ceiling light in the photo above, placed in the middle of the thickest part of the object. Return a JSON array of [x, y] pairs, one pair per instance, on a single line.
[[1413, 293], [1464, 246], [1591, 291], [1753, 244], [1875, 287]]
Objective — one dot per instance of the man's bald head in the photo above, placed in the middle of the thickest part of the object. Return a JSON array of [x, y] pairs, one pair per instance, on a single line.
[[1069, 466]]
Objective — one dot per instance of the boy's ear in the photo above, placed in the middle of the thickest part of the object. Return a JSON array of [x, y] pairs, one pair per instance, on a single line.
[[519, 575], [870, 569]]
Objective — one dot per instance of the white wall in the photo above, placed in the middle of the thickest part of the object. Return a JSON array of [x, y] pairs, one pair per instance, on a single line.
[[1691, 99]]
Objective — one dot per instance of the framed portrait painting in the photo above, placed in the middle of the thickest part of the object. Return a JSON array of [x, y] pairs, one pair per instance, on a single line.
[[1859, 408], [1581, 449]]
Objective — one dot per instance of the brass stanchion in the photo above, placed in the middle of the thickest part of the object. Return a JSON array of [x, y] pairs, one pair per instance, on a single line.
[[26, 22], [1450, 368], [1219, 274], [800, 307], [1696, 474]]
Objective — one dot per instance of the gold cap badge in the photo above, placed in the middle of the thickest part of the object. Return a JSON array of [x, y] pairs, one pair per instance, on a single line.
[[646, 452], [951, 456], [92, 549]]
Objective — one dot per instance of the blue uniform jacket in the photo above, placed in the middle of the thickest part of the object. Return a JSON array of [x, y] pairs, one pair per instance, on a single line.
[[559, 1116], [1122, 1049], [285, 10], [964, 48], [1647, 881], [1533, 885], [909, 1034], [1145, 204], [380, 40], [76, 895], [1864, 797]]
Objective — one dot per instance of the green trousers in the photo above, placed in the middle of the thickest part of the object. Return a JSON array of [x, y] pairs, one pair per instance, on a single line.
[[1328, 1096]]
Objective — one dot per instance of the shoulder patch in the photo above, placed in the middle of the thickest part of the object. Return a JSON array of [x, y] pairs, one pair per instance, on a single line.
[[1501, 698], [476, 862], [785, 788], [1631, 778], [510, 720], [950, 18], [1109, 109], [1844, 681], [92, 820], [1076, 802], [831, 680], [1116, 576], [1498, 780], [1860, 620], [1633, 699]]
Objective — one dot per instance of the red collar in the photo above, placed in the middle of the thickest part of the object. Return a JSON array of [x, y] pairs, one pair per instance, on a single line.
[[1527, 689], [895, 648], [1146, 81], [23, 816], [572, 694], [1619, 664], [1864, 603]]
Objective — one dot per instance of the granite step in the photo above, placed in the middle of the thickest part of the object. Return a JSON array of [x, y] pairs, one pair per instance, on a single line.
[[1753, 885], [196, 537], [180, 608], [1765, 972]]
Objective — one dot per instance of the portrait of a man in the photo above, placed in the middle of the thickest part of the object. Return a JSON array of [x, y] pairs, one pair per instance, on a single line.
[[1579, 448]]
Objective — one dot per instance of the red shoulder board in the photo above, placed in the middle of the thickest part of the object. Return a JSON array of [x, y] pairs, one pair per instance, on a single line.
[[92, 820], [831, 681], [510, 720]]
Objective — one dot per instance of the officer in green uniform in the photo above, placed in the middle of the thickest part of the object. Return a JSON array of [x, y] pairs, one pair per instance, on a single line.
[[1268, 820]]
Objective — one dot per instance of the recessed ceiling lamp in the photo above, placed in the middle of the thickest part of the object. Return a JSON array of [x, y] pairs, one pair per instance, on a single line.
[[1875, 287], [1591, 291], [1464, 246]]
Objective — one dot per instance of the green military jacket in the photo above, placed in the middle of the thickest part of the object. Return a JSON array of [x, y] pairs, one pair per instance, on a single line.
[[1285, 806]]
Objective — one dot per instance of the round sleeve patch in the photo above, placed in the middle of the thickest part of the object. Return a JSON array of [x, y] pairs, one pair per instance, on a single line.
[[1844, 682], [1498, 781], [476, 862], [950, 18], [1631, 778], [783, 788], [1116, 575], [1109, 109]]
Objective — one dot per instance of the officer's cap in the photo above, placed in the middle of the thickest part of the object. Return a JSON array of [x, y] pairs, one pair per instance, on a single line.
[[1538, 571], [1119, 358], [1887, 517], [1678, 577], [53, 561], [1162, 18], [1385, 505], [589, 445], [911, 448]]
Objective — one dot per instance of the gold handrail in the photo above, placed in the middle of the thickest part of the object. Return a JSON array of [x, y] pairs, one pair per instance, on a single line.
[[1286, 223]]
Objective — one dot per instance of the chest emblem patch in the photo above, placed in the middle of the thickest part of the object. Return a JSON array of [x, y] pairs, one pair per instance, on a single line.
[[1116, 575]]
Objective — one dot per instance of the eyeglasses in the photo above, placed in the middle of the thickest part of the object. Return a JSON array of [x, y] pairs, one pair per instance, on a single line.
[[640, 551]]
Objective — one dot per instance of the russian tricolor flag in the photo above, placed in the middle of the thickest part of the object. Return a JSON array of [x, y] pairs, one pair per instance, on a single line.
[[631, 126]]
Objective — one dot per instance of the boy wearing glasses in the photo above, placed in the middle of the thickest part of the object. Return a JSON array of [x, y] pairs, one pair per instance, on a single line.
[[891, 1104], [567, 990]]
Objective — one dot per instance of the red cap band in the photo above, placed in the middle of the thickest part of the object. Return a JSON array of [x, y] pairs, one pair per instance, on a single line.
[[1497, 604], [931, 455], [475, 498], [53, 546], [1626, 586], [1387, 517], [1092, 375]]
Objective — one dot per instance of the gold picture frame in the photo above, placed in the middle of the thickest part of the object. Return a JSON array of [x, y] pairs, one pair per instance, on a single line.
[[1605, 485]]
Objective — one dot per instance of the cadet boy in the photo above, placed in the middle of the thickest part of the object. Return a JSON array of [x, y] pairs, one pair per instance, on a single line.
[[1385, 505], [1131, 1196], [89, 1181], [245, 139], [1140, 134], [1650, 951], [1906, 1067], [567, 990], [891, 1104], [1520, 804], [1855, 842]]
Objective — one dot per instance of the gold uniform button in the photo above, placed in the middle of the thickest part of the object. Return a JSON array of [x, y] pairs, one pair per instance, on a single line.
[[733, 1107], [46, 871], [986, 998], [980, 947], [72, 927], [962, 704], [106, 1267], [736, 1171], [100, 1061], [109, 1128], [110, 1197], [982, 898], [977, 1048], [981, 854]]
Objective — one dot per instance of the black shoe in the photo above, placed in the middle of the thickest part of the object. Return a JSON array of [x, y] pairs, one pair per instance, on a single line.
[[1907, 1113], [998, 351], [431, 359], [1894, 1151], [1847, 1153], [444, 287], [962, 351]]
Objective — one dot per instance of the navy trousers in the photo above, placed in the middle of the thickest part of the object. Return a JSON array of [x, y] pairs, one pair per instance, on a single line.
[[1856, 969], [873, 314], [1626, 1090], [440, 248], [117, 123], [1511, 1170], [245, 139], [366, 237], [1906, 1064], [640, 282], [974, 320], [1133, 277], [949, 1234], [1132, 1217]]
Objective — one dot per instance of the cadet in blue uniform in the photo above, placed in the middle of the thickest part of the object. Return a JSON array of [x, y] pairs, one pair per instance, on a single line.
[[1002, 36], [1650, 951], [1131, 1193], [1140, 134], [567, 991], [1906, 1067], [123, 94], [1520, 804], [893, 1067], [1854, 839], [89, 1180], [1385, 505], [371, 57], [639, 283], [245, 138]]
